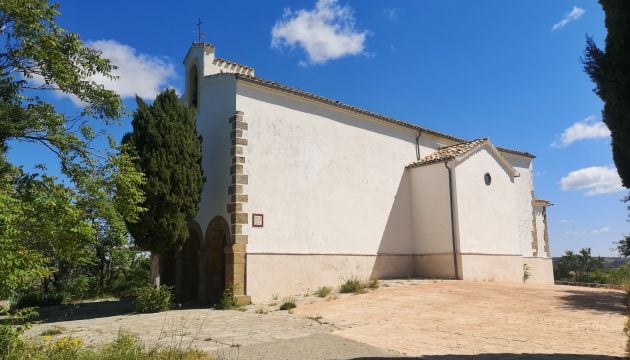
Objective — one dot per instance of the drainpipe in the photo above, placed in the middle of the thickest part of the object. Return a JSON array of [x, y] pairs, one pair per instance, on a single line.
[[451, 200], [418, 145]]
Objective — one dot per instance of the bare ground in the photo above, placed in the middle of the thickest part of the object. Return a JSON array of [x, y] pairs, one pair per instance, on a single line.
[[440, 320], [470, 318]]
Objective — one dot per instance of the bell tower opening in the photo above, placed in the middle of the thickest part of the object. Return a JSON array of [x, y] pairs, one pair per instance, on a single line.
[[193, 86]]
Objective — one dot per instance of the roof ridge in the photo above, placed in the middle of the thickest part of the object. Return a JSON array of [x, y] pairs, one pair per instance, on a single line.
[[281, 87], [232, 62], [464, 143]]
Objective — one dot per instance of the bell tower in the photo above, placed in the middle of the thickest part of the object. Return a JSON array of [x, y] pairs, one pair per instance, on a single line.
[[201, 61], [198, 63]]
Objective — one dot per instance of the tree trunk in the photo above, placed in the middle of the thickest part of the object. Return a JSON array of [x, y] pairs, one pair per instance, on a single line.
[[155, 269]]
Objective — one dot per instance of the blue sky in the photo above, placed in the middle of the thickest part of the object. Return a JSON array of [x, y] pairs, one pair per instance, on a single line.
[[508, 70]]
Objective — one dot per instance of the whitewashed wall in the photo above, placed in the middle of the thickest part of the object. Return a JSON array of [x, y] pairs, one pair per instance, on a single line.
[[216, 106], [328, 181], [487, 215], [524, 186], [431, 211]]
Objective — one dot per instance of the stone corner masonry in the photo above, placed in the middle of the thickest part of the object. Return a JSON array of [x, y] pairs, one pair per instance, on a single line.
[[236, 254]]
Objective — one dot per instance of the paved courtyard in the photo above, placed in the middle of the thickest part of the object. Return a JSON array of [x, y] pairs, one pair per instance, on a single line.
[[404, 318], [467, 318]]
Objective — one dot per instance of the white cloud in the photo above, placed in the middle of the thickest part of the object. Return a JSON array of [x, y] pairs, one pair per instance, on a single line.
[[391, 13], [325, 33], [595, 180], [603, 230], [600, 231], [589, 128], [564, 221], [572, 15], [138, 73]]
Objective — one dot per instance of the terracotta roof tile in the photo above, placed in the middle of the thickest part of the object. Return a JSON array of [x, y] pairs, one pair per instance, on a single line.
[[448, 153], [220, 61], [541, 202]]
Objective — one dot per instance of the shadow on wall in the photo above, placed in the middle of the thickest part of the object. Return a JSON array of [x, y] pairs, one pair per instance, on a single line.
[[602, 301], [500, 356], [395, 252]]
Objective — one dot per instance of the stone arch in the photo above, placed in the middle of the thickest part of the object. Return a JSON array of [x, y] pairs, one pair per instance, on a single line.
[[193, 86], [216, 242]]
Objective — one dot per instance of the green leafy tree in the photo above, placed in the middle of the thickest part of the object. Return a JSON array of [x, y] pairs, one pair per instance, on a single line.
[[168, 151], [63, 235], [610, 71], [623, 246], [47, 229], [21, 265], [578, 267], [40, 57], [108, 199], [52, 225]]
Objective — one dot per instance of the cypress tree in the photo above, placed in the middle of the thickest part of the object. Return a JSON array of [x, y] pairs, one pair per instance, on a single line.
[[610, 71], [168, 150]]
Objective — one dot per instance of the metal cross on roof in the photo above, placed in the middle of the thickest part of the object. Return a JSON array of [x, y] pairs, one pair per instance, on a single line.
[[199, 33]]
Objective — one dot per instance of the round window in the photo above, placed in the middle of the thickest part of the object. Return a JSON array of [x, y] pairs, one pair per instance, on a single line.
[[487, 178]]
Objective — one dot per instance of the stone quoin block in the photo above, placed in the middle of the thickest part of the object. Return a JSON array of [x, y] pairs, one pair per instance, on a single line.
[[240, 141], [240, 179], [236, 134], [239, 218], [236, 229], [238, 159], [234, 207], [241, 198], [236, 150], [239, 125], [235, 189], [239, 240], [236, 169]]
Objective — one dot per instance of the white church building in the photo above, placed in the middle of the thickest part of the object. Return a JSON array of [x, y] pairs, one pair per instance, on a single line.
[[303, 191]]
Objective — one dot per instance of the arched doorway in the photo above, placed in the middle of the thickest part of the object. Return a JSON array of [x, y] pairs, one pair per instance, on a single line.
[[189, 263], [167, 268], [217, 236]]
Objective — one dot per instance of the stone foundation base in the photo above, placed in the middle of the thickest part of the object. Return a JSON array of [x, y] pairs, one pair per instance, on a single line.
[[474, 267], [281, 275], [290, 274], [243, 299], [434, 266], [540, 270], [489, 267]]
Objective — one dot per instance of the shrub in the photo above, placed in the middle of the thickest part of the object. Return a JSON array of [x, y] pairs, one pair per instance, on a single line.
[[9, 340], [151, 299], [124, 347], [323, 291], [228, 300], [373, 284], [14, 324], [526, 273], [352, 285], [64, 348], [56, 330], [288, 304]]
